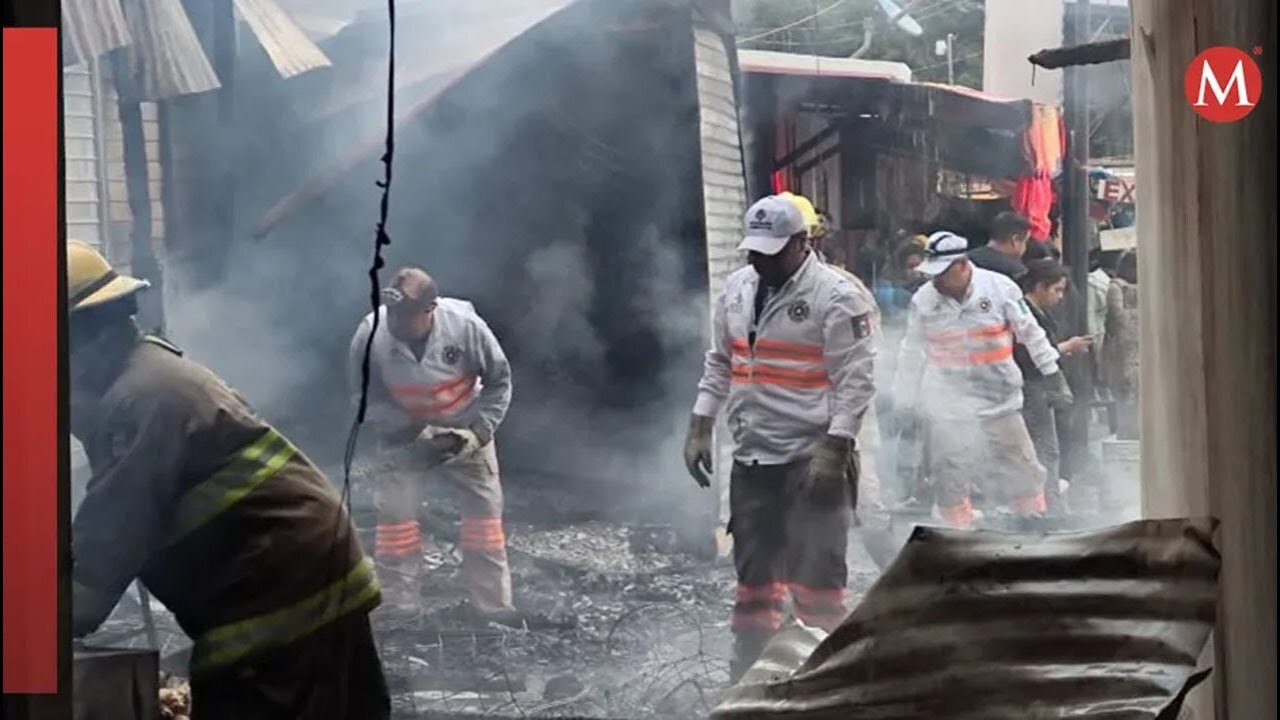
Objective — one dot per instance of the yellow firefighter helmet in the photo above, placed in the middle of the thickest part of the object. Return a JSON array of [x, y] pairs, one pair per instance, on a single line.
[[806, 209], [91, 280]]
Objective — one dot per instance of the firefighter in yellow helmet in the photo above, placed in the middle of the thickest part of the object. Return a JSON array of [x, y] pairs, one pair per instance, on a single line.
[[873, 514], [222, 518]]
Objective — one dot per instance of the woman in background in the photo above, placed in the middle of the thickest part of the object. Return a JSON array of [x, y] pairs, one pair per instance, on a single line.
[[1043, 286], [1120, 354]]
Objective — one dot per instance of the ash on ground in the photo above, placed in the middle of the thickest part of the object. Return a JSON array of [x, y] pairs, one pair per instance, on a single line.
[[634, 623]]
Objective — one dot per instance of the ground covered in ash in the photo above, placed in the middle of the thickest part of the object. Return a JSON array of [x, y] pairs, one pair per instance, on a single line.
[[632, 624]]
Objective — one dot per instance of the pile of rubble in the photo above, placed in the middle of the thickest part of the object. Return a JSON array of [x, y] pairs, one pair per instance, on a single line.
[[175, 698]]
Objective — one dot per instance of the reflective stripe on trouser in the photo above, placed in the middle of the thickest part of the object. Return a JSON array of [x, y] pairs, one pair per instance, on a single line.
[[484, 546], [225, 644], [820, 607], [396, 540], [994, 454], [784, 540], [477, 480]]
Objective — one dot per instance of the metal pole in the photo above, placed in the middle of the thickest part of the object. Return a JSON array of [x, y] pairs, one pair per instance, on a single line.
[[951, 68]]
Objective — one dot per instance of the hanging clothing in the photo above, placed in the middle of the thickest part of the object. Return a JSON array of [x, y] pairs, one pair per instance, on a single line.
[[1033, 198]]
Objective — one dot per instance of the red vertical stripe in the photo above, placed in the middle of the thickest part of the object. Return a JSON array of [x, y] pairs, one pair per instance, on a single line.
[[31, 282]]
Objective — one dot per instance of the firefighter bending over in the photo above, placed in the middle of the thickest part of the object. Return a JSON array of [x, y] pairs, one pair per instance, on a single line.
[[440, 385], [956, 367], [221, 517], [791, 360]]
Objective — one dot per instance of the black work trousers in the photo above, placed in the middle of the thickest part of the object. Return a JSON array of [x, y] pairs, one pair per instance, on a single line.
[[333, 674], [788, 541], [1042, 425]]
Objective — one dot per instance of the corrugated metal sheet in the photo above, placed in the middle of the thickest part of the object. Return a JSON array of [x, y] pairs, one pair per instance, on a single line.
[[476, 32], [723, 185], [92, 28], [1104, 624], [724, 191], [463, 35], [166, 57], [288, 46]]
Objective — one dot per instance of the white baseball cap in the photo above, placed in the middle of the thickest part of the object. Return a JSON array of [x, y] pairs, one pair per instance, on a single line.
[[941, 251], [769, 224]]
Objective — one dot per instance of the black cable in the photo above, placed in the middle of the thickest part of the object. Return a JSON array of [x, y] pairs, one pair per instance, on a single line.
[[381, 240]]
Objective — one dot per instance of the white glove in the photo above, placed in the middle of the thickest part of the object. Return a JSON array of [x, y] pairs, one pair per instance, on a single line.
[[449, 444]]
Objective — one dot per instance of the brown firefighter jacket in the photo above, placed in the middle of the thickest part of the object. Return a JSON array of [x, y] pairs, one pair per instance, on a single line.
[[222, 518]]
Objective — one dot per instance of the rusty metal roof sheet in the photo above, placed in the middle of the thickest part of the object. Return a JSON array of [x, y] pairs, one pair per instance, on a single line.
[[166, 57], [469, 35], [287, 44], [990, 626], [92, 28]]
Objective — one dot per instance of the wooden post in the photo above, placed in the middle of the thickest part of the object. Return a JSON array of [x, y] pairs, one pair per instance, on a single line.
[[138, 188], [1207, 256]]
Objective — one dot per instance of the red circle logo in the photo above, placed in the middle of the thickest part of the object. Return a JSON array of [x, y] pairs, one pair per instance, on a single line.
[[1223, 84]]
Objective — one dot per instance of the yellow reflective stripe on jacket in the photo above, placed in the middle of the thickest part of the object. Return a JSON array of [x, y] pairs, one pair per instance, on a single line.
[[229, 643], [254, 465]]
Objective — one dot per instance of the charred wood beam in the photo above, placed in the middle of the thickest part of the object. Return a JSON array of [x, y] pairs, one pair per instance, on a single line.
[[822, 157], [1092, 53], [806, 147], [137, 183]]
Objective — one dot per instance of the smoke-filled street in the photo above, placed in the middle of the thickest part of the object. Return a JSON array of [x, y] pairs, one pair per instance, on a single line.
[[655, 360]]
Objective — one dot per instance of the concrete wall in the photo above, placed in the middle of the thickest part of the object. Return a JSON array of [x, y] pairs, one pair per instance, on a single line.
[[1014, 30], [1207, 249]]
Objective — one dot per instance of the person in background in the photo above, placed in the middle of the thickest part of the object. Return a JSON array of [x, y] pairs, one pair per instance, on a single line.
[[223, 519], [792, 363], [956, 368], [1003, 252], [900, 279], [1120, 354], [1043, 286], [1099, 282]]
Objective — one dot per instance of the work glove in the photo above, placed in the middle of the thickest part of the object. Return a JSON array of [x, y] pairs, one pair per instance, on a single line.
[[445, 445], [697, 449], [1058, 393], [829, 468]]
